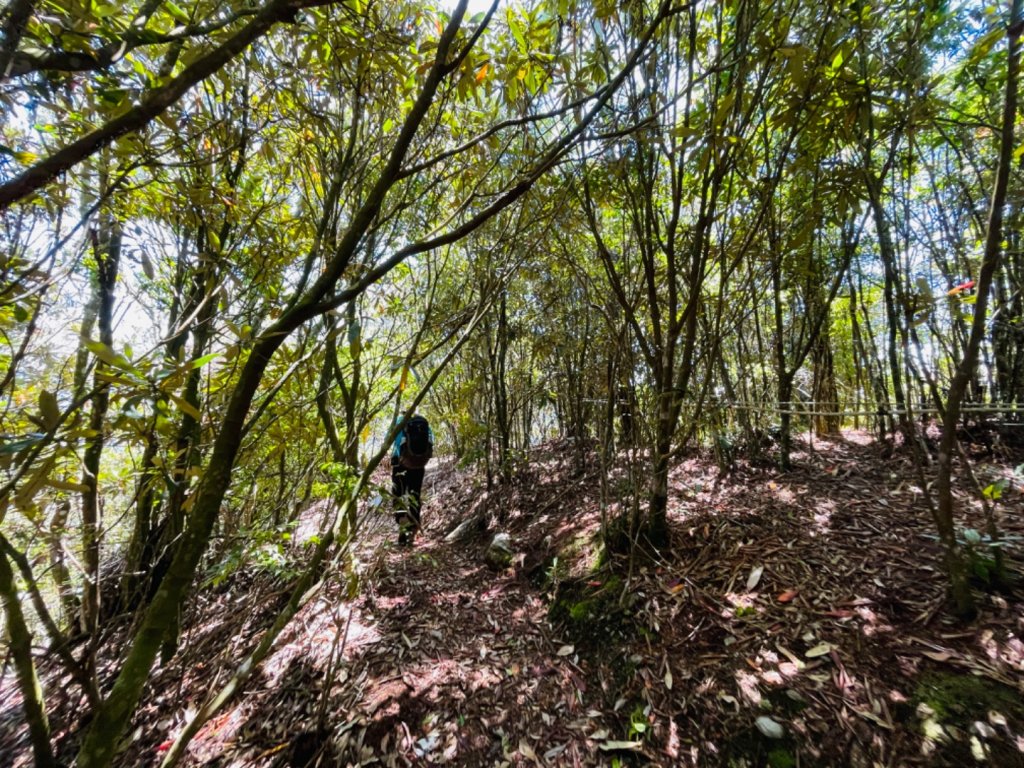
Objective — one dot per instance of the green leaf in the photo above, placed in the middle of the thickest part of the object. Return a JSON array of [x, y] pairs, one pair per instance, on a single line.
[[102, 351], [516, 28], [17, 446], [177, 12], [203, 361], [995, 490], [49, 409], [186, 407], [109, 356]]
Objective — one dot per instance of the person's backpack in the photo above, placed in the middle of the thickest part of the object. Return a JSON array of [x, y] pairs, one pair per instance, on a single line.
[[416, 449]]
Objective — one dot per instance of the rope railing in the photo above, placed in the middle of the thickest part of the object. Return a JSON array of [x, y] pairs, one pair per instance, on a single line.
[[804, 408], [807, 409]]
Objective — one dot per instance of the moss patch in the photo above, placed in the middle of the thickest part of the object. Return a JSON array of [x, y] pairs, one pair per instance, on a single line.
[[753, 748], [949, 704], [627, 535], [961, 699], [592, 616]]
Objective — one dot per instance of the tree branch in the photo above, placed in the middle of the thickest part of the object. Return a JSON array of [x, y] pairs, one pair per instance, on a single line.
[[153, 105]]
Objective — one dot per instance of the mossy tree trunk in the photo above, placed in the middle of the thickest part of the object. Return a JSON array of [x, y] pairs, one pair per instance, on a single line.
[[24, 667]]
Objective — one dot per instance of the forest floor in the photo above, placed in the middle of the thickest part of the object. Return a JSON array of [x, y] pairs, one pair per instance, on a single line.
[[798, 620]]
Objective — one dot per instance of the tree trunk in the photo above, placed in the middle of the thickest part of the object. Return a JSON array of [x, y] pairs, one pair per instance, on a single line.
[[657, 520], [891, 292], [825, 394], [108, 254], [25, 668], [323, 405], [955, 566], [141, 545], [69, 603]]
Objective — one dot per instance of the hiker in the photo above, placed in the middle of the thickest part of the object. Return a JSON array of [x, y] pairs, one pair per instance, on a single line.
[[412, 449]]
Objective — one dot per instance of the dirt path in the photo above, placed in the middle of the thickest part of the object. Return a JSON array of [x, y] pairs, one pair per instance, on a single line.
[[445, 661], [799, 621]]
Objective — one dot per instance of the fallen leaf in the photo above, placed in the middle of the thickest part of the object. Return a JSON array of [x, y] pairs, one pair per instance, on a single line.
[[796, 660], [872, 717], [566, 650], [755, 577], [554, 752], [937, 655], [821, 649], [527, 751], [769, 727], [612, 746]]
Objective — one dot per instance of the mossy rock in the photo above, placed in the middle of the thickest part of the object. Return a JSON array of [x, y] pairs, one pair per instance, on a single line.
[[953, 703], [592, 617]]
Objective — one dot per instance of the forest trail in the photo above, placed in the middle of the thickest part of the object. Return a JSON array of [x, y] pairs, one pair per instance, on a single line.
[[801, 615], [444, 659]]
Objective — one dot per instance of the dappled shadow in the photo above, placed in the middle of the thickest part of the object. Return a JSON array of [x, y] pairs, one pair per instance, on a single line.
[[811, 597]]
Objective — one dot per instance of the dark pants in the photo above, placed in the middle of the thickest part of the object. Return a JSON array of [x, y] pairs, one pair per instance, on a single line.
[[406, 485]]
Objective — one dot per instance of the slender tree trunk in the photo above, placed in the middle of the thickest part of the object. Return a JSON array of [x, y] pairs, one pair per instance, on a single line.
[[500, 363], [115, 711], [353, 418], [69, 604], [140, 547], [664, 430], [965, 369], [25, 668], [323, 406], [113, 715], [892, 313], [825, 394], [870, 353], [187, 454], [108, 254], [784, 380]]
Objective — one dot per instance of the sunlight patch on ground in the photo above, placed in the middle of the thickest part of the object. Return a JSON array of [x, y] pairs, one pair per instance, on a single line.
[[424, 678], [823, 511], [748, 688], [213, 736], [873, 624]]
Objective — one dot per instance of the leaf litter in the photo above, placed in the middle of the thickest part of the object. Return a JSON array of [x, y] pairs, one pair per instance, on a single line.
[[797, 611]]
